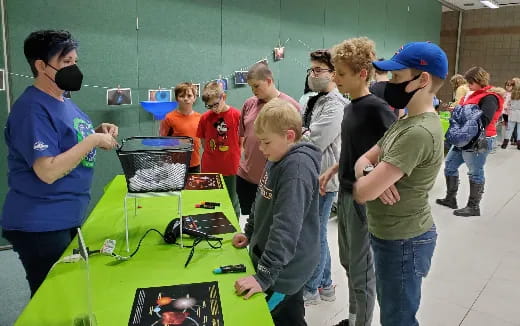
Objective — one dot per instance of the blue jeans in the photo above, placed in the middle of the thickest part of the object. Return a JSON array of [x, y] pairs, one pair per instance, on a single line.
[[511, 125], [400, 267], [475, 162], [321, 277]]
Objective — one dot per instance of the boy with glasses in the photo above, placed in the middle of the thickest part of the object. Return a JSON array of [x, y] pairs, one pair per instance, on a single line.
[[218, 131]]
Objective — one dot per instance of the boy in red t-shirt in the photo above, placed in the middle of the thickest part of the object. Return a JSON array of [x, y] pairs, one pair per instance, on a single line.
[[184, 122], [218, 130]]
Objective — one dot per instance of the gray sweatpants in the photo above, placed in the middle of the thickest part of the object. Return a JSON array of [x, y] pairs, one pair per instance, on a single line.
[[356, 257]]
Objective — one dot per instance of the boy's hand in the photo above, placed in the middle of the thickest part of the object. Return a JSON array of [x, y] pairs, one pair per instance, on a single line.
[[248, 284], [240, 240], [324, 179], [390, 196]]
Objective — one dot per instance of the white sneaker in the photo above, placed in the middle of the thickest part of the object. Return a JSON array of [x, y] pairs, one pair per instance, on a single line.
[[310, 298], [328, 293]]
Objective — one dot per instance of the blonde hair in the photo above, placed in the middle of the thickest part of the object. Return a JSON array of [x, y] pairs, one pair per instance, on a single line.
[[499, 90], [212, 90], [182, 88], [515, 93], [357, 53], [259, 71], [278, 116], [478, 76], [457, 80]]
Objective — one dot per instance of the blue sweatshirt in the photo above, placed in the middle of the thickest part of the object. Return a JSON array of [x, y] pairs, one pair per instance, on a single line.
[[283, 228]]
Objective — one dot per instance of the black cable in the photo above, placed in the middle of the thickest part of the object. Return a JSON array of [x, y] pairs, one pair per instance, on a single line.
[[142, 238], [198, 240]]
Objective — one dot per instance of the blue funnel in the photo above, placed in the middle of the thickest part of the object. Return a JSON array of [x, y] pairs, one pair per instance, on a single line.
[[158, 109]]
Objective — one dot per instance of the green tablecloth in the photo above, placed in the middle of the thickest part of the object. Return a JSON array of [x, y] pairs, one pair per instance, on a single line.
[[61, 297]]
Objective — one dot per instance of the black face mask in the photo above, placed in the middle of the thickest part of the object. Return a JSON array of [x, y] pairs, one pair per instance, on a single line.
[[68, 78], [396, 96]]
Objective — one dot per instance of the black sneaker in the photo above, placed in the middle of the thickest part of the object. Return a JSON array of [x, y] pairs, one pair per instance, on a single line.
[[344, 322]]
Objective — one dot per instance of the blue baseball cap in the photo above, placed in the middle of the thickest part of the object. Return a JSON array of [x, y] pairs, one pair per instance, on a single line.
[[424, 56]]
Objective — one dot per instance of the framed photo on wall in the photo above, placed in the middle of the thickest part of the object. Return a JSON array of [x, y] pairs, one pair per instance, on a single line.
[[2, 79], [160, 95], [240, 77], [119, 96]]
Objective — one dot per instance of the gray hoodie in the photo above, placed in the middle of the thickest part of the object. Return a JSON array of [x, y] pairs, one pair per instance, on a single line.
[[325, 131], [283, 228]]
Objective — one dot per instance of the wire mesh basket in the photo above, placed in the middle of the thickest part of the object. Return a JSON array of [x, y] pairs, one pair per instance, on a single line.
[[155, 164]]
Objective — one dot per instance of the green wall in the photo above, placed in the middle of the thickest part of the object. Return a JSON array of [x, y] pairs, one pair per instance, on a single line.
[[198, 40]]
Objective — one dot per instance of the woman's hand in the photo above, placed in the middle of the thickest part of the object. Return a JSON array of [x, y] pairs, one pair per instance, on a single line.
[[108, 128], [104, 140], [240, 240]]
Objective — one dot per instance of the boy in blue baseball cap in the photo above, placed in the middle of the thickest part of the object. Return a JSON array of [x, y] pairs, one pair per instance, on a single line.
[[395, 176]]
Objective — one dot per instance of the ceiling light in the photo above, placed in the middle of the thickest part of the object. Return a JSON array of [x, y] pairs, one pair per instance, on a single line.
[[490, 3]]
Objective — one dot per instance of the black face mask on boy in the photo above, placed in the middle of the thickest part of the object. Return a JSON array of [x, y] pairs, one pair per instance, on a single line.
[[396, 96], [68, 78]]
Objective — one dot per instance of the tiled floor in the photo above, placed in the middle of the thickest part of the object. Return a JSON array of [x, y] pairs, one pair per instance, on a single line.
[[475, 275]]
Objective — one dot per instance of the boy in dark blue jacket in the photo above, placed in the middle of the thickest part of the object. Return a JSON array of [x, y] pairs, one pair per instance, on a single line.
[[283, 229]]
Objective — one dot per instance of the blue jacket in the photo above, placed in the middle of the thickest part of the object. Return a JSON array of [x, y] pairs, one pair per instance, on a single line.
[[465, 125]]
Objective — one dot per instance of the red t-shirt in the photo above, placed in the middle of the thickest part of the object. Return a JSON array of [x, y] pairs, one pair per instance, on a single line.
[[178, 124], [221, 141]]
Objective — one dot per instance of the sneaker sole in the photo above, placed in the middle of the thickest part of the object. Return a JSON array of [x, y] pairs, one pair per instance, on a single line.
[[328, 299]]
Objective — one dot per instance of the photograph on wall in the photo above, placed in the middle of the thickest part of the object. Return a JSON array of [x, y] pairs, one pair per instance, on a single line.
[[197, 89], [2, 80], [240, 77], [119, 96], [223, 83], [279, 53], [183, 304], [160, 95]]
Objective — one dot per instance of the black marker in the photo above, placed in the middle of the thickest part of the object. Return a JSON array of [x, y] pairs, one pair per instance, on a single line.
[[230, 269]]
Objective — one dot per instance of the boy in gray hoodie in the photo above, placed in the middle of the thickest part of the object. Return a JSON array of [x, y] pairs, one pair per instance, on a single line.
[[283, 229]]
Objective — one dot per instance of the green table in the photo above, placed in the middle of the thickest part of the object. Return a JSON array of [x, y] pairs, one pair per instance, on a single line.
[[62, 297]]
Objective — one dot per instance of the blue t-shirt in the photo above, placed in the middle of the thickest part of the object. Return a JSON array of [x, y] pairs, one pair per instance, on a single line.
[[41, 126]]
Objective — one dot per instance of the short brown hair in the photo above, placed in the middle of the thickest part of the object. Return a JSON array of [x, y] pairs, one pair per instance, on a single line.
[[478, 76], [457, 80], [212, 90], [322, 56], [182, 88], [357, 53], [259, 71], [278, 116], [515, 93]]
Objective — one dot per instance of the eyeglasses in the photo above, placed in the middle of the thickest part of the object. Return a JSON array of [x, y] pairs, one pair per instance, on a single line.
[[214, 105], [318, 70]]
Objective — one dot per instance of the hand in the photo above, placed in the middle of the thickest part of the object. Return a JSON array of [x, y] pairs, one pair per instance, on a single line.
[[324, 179], [108, 128], [105, 141], [240, 240], [248, 284], [390, 196]]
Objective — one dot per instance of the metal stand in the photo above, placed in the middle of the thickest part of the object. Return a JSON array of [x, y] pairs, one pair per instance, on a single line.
[[135, 196]]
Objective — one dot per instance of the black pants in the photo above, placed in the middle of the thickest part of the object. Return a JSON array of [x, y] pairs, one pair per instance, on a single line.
[[246, 194], [289, 312], [194, 169], [38, 251]]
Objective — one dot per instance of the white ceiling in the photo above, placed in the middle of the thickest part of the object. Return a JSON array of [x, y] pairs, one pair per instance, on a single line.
[[475, 4]]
